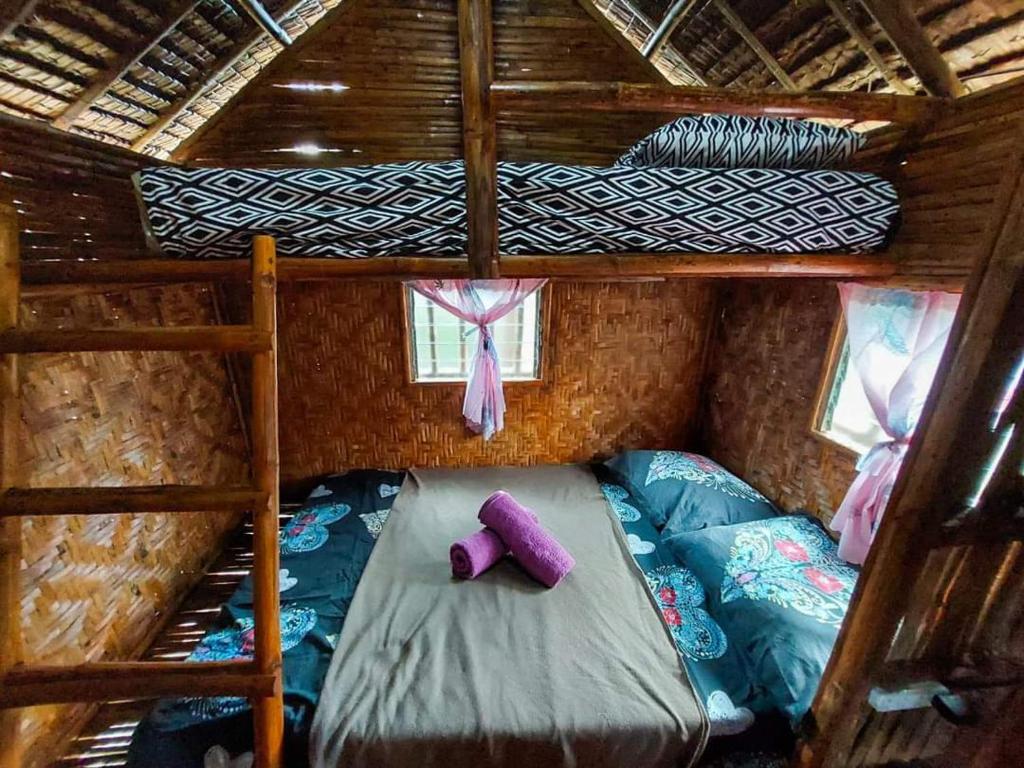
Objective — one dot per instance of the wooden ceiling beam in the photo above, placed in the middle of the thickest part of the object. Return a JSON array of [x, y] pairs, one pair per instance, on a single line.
[[122, 64], [14, 14], [897, 20], [740, 27], [843, 15], [479, 135], [512, 95], [267, 23], [223, 63], [674, 17]]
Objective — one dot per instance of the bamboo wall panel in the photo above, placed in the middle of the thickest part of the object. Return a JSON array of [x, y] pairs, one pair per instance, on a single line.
[[398, 60], [94, 587], [948, 180], [768, 349], [624, 367], [73, 195]]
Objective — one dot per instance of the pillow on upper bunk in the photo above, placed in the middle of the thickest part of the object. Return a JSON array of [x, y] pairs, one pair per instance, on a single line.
[[780, 591], [734, 141], [686, 491]]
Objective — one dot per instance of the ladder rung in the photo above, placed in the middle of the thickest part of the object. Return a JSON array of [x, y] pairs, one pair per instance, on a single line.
[[213, 338], [17, 502], [29, 686]]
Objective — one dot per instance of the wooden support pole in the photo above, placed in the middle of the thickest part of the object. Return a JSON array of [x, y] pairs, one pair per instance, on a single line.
[[842, 13], [572, 96], [197, 338], [739, 26], [914, 515], [674, 16], [479, 135], [268, 710], [10, 528], [897, 20], [111, 680], [129, 500]]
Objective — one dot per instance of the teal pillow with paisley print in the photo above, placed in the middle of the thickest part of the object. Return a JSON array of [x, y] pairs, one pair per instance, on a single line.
[[780, 592], [687, 491]]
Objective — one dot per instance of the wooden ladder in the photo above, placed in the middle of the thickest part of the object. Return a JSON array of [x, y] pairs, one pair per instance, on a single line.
[[259, 679]]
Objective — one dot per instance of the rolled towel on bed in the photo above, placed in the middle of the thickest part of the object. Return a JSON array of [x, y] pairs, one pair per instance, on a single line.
[[537, 551], [476, 553]]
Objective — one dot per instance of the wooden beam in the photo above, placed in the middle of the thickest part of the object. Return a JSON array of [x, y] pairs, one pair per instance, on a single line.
[[512, 95], [21, 502], [266, 22], [266, 469], [121, 64], [479, 135], [110, 274], [897, 20], [914, 514], [740, 27], [223, 63], [182, 338], [11, 648], [27, 686], [15, 13], [674, 16], [842, 13]]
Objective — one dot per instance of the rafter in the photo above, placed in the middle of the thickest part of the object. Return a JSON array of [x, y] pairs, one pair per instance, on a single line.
[[223, 63], [121, 64], [843, 15], [747, 34], [674, 16], [897, 20], [14, 14], [267, 22]]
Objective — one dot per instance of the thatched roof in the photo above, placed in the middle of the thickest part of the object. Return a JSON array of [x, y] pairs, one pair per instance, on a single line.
[[145, 74]]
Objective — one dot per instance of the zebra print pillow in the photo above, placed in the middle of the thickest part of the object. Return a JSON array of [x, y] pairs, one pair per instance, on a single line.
[[733, 141]]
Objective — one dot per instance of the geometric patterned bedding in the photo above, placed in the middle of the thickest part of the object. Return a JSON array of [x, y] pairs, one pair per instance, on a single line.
[[406, 209]]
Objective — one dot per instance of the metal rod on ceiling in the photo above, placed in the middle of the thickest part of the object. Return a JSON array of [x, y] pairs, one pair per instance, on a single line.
[[674, 16], [260, 15]]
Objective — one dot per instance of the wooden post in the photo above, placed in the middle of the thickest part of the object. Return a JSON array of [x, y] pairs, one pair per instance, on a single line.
[[479, 135], [10, 527], [269, 711], [897, 20]]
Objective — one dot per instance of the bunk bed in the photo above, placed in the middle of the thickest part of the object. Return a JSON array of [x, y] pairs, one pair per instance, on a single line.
[[262, 637]]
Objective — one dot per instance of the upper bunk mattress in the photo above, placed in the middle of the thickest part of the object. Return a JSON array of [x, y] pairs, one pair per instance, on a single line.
[[418, 209], [500, 671]]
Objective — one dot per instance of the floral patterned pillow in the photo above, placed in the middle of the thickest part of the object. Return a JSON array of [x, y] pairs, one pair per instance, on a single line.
[[780, 590], [687, 491]]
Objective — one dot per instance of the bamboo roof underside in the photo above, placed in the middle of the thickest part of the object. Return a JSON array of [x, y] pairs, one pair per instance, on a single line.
[[147, 74]]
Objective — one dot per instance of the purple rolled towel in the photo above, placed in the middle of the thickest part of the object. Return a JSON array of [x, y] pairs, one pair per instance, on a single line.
[[476, 553], [537, 551]]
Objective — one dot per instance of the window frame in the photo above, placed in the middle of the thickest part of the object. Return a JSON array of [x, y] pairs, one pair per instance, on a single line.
[[826, 383], [544, 344]]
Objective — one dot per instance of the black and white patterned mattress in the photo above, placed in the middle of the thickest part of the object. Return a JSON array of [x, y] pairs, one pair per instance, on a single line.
[[418, 209]]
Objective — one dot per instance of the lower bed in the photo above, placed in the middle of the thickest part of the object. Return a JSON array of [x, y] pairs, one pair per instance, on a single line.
[[496, 671], [500, 671]]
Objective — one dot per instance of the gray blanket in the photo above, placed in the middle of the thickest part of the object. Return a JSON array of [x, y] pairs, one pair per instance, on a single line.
[[430, 671]]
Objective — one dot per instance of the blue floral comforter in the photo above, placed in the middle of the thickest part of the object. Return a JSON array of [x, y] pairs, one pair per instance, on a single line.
[[324, 550]]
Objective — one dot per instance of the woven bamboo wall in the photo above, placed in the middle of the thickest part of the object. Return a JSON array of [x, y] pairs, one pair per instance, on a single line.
[[624, 367], [95, 587], [399, 60], [769, 347]]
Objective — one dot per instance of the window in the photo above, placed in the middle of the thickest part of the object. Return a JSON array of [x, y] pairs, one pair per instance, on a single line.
[[844, 413], [442, 345]]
